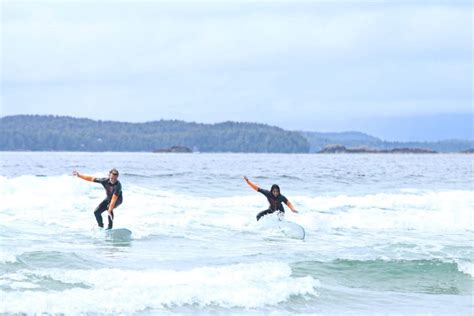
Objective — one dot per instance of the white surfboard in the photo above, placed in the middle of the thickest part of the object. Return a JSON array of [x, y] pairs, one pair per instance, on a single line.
[[278, 224], [292, 230]]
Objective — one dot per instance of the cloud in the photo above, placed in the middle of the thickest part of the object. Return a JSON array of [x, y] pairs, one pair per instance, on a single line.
[[65, 38], [278, 62]]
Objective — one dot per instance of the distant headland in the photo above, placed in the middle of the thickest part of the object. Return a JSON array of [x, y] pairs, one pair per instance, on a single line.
[[63, 133]]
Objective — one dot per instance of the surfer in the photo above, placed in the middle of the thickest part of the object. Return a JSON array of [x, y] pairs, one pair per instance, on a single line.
[[274, 197], [113, 188]]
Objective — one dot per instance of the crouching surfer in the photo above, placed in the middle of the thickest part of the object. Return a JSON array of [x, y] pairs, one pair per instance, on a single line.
[[274, 197], [114, 198]]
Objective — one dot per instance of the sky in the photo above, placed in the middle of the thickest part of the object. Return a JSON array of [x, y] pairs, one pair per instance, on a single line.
[[399, 70]]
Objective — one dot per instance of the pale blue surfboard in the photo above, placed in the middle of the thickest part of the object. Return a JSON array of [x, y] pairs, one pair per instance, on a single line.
[[117, 233]]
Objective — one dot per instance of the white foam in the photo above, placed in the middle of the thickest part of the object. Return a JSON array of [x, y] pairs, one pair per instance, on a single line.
[[127, 291], [6, 257], [465, 267], [68, 203], [447, 211]]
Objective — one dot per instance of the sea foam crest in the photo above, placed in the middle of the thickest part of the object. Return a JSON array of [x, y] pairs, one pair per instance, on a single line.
[[127, 291], [67, 202], [422, 211]]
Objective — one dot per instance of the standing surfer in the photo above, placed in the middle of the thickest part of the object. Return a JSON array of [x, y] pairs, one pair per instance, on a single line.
[[113, 188], [274, 197]]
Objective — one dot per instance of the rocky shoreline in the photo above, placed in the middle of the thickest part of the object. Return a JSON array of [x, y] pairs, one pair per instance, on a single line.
[[174, 149], [339, 149]]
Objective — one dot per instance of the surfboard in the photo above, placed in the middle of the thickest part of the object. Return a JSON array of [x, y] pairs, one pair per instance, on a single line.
[[118, 233], [292, 230], [280, 226]]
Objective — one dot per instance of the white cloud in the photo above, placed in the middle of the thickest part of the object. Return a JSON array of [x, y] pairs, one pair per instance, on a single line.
[[277, 61], [121, 42]]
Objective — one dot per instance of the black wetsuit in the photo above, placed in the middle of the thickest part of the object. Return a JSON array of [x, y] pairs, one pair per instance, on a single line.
[[275, 203], [111, 189]]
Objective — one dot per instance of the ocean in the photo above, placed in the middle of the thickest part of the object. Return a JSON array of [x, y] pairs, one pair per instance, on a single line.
[[385, 235]]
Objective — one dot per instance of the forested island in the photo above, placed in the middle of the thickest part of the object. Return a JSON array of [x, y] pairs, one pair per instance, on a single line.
[[62, 133], [59, 133]]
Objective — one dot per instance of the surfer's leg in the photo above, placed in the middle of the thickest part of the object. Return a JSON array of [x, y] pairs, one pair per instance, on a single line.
[[281, 213], [263, 213], [98, 212]]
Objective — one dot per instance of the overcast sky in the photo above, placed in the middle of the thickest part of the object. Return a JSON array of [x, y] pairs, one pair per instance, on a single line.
[[399, 70]]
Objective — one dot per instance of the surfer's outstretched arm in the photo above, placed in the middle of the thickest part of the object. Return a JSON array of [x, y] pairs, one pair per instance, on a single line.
[[83, 176], [292, 208], [251, 184]]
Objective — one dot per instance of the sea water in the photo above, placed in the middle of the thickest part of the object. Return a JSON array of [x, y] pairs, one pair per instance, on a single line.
[[385, 234]]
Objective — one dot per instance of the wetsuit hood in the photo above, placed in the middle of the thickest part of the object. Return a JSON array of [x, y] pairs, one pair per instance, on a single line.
[[275, 186]]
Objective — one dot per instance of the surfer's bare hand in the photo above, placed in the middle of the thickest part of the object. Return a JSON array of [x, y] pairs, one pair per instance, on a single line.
[[75, 173], [245, 178]]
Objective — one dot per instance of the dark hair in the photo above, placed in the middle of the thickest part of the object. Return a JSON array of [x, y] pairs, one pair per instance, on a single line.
[[275, 186], [114, 171]]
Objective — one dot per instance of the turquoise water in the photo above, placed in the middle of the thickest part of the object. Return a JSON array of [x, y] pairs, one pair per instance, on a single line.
[[386, 234]]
